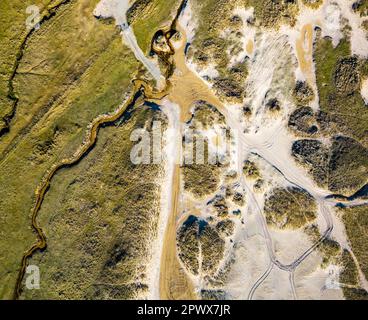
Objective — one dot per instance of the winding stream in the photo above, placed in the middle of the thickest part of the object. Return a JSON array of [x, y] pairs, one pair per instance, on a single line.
[[45, 184]]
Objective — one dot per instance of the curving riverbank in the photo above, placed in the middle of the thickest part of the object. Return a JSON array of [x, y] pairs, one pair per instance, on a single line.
[[45, 184], [47, 15]]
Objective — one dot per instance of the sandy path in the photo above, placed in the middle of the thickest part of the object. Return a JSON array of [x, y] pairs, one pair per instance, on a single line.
[[187, 88], [174, 282]]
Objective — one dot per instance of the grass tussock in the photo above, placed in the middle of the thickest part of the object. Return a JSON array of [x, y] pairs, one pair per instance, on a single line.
[[290, 208]]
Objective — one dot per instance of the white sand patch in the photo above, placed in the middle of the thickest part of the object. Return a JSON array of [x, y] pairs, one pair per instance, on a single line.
[[313, 282], [299, 75], [331, 22], [275, 287], [216, 137], [187, 22], [261, 73], [116, 9], [364, 90], [358, 38], [206, 73], [266, 76], [289, 244], [235, 153], [251, 261]]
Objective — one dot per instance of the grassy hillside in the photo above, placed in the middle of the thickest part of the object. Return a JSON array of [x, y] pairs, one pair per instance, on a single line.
[[73, 69], [98, 242]]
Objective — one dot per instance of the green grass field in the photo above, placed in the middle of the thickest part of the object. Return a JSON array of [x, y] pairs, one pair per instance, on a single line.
[[98, 242], [74, 68]]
